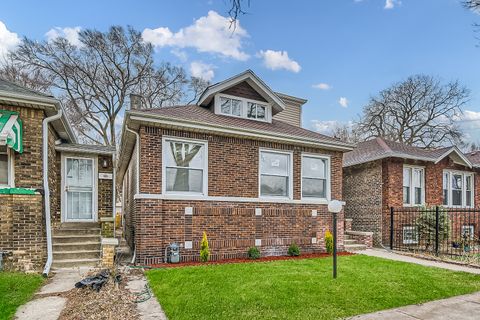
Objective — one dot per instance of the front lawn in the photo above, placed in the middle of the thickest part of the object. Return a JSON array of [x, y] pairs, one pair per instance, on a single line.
[[15, 290], [301, 289]]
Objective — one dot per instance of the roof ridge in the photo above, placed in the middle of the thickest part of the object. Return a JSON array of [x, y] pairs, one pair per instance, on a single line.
[[383, 144]]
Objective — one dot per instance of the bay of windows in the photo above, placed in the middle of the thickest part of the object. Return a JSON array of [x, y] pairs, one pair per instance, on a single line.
[[457, 189], [315, 177], [184, 166], [413, 186]]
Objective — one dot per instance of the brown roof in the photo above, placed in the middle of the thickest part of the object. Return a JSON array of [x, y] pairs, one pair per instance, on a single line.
[[380, 148], [203, 115]]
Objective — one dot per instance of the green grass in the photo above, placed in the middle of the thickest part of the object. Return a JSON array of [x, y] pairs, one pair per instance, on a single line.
[[301, 289], [15, 290]]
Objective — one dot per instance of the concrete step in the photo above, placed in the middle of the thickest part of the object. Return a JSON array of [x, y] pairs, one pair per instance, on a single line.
[[69, 263], [77, 254], [76, 231], [79, 225], [76, 238], [355, 247], [75, 246], [349, 241]]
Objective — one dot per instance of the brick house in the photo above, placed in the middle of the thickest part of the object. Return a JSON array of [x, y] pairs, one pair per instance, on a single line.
[[53, 190], [236, 165], [379, 174]]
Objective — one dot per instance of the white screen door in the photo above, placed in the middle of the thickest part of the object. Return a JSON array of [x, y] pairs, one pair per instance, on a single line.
[[79, 188]]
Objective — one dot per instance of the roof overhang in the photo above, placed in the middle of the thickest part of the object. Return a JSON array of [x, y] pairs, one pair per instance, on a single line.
[[85, 148], [457, 156], [133, 120], [253, 80], [50, 107]]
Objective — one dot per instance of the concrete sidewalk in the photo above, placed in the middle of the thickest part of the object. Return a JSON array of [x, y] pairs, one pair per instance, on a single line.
[[381, 253], [465, 307]]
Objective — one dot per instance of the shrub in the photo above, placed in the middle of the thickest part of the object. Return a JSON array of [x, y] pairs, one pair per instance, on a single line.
[[329, 242], [426, 225], [293, 250], [253, 253], [204, 251]]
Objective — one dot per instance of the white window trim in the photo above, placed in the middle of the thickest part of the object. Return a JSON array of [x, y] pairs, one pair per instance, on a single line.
[[329, 175], [464, 188], [164, 165], [290, 173], [412, 189], [243, 107], [11, 170], [63, 196], [410, 241]]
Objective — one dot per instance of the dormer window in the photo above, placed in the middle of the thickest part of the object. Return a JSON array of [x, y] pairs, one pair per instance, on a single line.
[[242, 108]]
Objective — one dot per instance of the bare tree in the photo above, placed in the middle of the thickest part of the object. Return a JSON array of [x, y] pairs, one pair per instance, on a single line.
[[346, 132], [236, 9], [419, 111], [472, 4], [95, 78], [32, 79]]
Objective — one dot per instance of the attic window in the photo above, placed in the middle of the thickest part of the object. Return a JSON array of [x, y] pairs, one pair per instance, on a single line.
[[242, 108]]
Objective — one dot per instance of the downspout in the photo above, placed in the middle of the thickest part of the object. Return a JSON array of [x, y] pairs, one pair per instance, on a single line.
[[46, 191], [114, 200], [137, 185]]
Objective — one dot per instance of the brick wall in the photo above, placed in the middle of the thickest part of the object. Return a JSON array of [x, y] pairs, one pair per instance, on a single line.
[[232, 227], [105, 188], [362, 192]]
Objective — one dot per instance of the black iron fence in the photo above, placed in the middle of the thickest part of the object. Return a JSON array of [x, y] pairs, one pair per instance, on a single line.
[[440, 231]]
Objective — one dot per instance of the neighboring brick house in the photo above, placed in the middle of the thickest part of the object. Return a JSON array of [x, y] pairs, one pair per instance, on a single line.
[[379, 174], [230, 167], [80, 184]]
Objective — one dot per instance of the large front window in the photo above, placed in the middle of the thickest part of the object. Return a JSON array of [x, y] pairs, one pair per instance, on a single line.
[[315, 177], [275, 174], [458, 189], [413, 186], [4, 167], [185, 166]]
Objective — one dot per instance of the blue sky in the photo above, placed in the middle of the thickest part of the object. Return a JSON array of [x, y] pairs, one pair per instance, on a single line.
[[352, 48]]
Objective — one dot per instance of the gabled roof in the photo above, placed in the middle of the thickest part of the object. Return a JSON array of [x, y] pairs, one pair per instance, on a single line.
[[253, 80], [380, 148], [14, 94]]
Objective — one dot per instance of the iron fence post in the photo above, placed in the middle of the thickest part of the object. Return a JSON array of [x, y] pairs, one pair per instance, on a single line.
[[436, 229], [391, 228]]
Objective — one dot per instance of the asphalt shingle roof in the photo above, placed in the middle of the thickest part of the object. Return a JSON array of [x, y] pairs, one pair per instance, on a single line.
[[11, 87], [203, 115], [379, 148]]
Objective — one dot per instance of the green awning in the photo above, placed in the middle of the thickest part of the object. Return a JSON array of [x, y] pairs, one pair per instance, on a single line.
[[11, 130]]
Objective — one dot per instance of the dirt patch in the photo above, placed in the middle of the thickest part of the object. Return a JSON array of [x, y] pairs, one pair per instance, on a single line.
[[262, 259], [113, 301]]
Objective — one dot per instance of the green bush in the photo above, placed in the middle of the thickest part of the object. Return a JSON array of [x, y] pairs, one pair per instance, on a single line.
[[253, 253], [293, 250], [204, 250], [329, 242], [426, 225]]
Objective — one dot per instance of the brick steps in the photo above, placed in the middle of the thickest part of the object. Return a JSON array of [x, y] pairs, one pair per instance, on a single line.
[[352, 245], [76, 244]]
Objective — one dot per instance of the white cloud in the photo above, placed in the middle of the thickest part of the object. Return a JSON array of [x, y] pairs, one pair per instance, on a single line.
[[390, 4], [343, 102], [71, 34], [180, 54], [202, 70], [211, 33], [322, 86], [8, 40], [276, 60], [325, 127]]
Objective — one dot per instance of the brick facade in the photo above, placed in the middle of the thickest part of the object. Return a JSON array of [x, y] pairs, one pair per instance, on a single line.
[[232, 226], [379, 184]]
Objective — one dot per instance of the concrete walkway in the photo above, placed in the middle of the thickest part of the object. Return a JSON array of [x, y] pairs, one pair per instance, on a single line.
[[150, 309], [381, 253], [465, 307]]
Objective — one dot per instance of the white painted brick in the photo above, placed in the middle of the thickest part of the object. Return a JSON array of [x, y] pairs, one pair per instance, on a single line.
[[258, 242], [314, 240], [188, 211], [258, 211], [188, 245], [314, 213]]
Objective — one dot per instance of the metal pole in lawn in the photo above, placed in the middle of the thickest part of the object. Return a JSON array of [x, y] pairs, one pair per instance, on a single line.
[[334, 207]]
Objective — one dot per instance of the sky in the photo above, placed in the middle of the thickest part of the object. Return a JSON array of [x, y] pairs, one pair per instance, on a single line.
[[334, 53]]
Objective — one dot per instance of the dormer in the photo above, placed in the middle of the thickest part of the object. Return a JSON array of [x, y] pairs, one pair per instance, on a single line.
[[243, 96]]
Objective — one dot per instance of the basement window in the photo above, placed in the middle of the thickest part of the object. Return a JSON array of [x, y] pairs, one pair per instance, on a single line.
[[5, 167], [410, 235]]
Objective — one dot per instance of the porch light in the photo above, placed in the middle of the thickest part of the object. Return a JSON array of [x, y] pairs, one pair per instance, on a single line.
[[335, 207], [105, 163]]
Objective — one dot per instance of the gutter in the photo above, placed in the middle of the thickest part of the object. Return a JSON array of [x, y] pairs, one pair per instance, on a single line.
[[137, 187], [46, 190]]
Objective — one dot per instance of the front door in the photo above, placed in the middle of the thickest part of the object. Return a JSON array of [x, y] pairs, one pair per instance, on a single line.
[[79, 189]]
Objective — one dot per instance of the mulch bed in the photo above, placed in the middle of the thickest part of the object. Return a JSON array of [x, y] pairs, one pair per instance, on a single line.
[[245, 260]]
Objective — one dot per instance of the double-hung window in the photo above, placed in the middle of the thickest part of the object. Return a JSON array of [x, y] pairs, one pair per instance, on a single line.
[[5, 167], [184, 166], [413, 186], [458, 189], [231, 106], [256, 111], [275, 174], [315, 177]]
